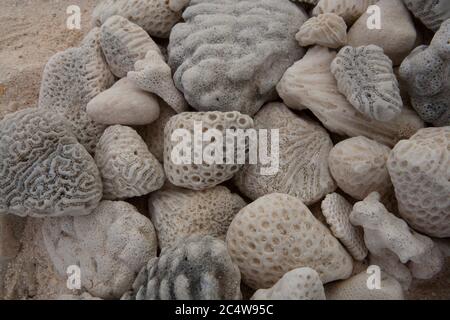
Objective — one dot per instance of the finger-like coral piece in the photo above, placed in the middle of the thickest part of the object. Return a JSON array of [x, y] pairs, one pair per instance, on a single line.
[[278, 233], [153, 75], [425, 72], [196, 268], [419, 169], [359, 167], [123, 43], [349, 10], [389, 239], [110, 246], [128, 169], [188, 132], [328, 30], [179, 213], [365, 76], [431, 13], [44, 171], [302, 157], [229, 55], [157, 17], [355, 288], [124, 103], [71, 79], [298, 284], [310, 84], [336, 210]]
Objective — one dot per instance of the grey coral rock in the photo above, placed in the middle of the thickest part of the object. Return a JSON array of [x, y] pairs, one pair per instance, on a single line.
[[431, 12], [215, 130], [71, 79], [336, 210], [310, 84], [128, 169], [178, 213], [123, 43], [301, 158], [197, 268], [110, 246], [298, 284], [366, 77], [157, 17], [229, 55], [419, 169], [152, 74], [425, 73], [44, 170]]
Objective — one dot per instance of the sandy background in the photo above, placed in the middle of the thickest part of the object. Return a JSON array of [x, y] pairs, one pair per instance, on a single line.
[[31, 31]]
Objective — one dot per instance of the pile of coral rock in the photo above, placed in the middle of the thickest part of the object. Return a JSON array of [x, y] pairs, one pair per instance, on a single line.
[[364, 154]]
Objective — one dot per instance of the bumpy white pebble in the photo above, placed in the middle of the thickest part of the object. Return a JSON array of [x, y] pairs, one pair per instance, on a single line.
[[152, 74], [328, 30], [390, 240], [71, 79], [349, 10], [179, 213], [301, 160], [124, 103], [310, 84], [110, 246], [359, 167], [179, 148], [365, 76], [355, 288], [278, 233], [128, 169], [157, 17], [196, 268], [44, 171], [336, 210], [298, 284], [419, 169]]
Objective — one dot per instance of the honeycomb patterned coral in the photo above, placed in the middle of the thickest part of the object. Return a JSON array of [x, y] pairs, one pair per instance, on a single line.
[[208, 174], [178, 213], [44, 171], [336, 210], [123, 43], [128, 169], [154, 16], [328, 30], [110, 246], [304, 147], [298, 284], [278, 233], [70, 80], [229, 55], [359, 167], [419, 171], [365, 76], [197, 268]]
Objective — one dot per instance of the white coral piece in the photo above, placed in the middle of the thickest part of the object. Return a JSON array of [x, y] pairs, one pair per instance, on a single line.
[[278, 233], [157, 17], [328, 30], [178, 213], [124, 43], [128, 169], [310, 84], [359, 167], [419, 169], [365, 76], [298, 284], [302, 157], [349, 10], [152, 74], [336, 210]]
